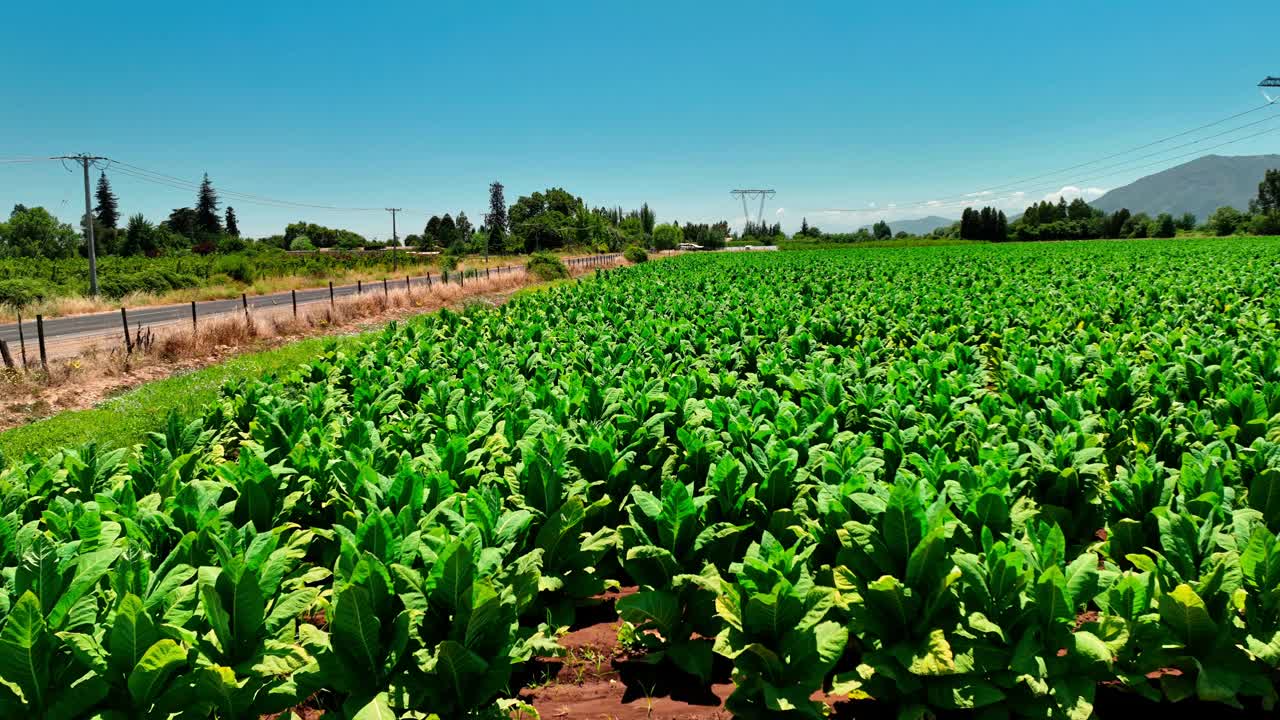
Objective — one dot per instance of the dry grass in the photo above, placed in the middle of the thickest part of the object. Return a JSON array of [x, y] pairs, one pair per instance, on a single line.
[[93, 371]]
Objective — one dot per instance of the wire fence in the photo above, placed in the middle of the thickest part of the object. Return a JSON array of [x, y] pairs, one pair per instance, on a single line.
[[29, 344]]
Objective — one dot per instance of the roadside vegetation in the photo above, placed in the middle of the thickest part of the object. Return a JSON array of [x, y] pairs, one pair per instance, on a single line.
[[198, 253]]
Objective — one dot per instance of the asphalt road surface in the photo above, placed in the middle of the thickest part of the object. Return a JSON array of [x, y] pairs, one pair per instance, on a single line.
[[107, 323]]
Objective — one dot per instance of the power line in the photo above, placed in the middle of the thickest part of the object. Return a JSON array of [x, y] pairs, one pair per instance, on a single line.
[[144, 173], [1144, 146], [984, 195], [1048, 188]]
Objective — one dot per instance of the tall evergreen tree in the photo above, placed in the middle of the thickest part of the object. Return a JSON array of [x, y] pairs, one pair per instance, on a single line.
[[431, 233], [464, 226], [107, 211], [647, 219], [448, 231], [233, 229], [497, 218], [207, 208]]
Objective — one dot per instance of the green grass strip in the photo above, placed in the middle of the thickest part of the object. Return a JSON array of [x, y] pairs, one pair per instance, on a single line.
[[126, 418]]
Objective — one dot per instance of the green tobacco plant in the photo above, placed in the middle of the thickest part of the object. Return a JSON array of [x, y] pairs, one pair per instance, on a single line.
[[778, 633], [674, 611]]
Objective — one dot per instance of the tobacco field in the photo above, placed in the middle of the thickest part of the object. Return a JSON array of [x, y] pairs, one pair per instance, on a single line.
[[982, 479]]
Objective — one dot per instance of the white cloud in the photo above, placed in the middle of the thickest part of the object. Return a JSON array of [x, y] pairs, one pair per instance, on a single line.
[[1071, 192], [780, 212], [934, 203]]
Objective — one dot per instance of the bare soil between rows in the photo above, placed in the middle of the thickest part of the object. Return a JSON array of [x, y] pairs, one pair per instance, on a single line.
[[597, 679]]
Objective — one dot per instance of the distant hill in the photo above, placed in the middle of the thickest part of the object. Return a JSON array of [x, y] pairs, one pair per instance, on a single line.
[[1200, 186], [919, 226]]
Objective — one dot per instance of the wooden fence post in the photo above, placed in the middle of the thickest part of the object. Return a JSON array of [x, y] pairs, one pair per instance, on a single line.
[[294, 296], [330, 293], [5, 356], [194, 325], [124, 319], [44, 357], [22, 342]]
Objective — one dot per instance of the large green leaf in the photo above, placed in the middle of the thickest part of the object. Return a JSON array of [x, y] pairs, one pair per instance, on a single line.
[[25, 651], [355, 629], [90, 568], [153, 670], [1184, 612], [132, 633], [658, 609]]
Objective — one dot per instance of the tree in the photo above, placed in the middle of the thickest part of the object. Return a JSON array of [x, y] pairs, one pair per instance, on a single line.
[[431, 233], [1164, 226], [1268, 200], [107, 211], [881, 230], [1186, 222], [206, 220], [1137, 226], [139, 237], [1225, 221], [183, 222], [496, 220], [448, 233], [233, 229], [465, 230], [1113, 225], [647, 219], [302, 243], [34, 232], [667, 237]]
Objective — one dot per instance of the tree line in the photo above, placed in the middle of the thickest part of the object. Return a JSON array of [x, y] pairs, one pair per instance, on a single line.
[[545, 220]]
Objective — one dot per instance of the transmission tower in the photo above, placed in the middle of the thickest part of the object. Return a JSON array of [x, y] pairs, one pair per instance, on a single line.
[[744, 194], [1270, 82]]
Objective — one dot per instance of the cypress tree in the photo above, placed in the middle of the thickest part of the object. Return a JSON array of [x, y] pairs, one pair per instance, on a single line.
[[233, 229], [207, 208], [107, 211], [497, 218]]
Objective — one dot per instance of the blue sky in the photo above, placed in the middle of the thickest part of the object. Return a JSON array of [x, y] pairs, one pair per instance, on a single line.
[[858, 106]]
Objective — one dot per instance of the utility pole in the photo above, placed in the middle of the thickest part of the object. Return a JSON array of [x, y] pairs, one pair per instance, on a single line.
[[395, 239], [84, 161]]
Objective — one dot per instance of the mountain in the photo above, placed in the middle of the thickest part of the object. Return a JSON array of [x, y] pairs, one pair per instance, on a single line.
[[1200, 186], [919, 226]]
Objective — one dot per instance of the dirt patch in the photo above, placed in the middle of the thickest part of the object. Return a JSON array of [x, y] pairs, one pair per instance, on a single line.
[[598, 679]]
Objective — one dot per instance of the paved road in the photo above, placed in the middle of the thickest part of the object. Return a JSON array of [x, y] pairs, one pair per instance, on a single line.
[[107, 323]]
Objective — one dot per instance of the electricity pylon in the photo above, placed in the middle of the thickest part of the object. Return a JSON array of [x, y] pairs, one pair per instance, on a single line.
[[744, 194], [1270, 82]]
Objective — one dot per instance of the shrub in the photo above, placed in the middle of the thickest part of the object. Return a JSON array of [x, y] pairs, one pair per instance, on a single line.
[[20, 292], [545, 266], [1268, 224], [237, 267], [232, 244], [634, 254], [302, 243]]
